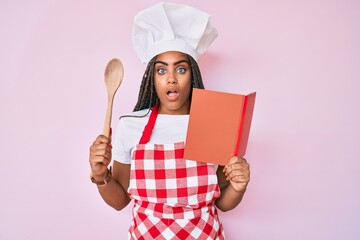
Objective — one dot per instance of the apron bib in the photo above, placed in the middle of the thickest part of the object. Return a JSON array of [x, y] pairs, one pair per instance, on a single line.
[[173, 197]]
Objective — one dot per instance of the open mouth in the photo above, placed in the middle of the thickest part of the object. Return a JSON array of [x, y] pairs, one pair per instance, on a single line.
[[172, 93]]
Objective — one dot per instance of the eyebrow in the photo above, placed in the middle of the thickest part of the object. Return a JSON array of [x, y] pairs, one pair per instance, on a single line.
[[176, 63]]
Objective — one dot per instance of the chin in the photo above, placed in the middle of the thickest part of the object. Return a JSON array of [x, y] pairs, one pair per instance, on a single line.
[[175, 108]]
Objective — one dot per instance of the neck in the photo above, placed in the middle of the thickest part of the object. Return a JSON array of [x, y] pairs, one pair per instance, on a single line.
[[184, 110]]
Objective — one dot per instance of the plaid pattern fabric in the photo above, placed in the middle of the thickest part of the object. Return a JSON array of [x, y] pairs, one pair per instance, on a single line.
[[173, 197], [146, 227]]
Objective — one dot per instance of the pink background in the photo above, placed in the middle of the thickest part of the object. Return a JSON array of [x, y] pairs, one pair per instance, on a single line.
[[302, 58]]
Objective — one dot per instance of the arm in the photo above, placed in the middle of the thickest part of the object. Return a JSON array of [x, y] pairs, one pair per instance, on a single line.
[[233, 180], [114, 192]]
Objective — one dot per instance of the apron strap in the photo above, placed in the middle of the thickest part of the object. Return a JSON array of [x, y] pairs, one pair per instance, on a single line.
[[149, 126]]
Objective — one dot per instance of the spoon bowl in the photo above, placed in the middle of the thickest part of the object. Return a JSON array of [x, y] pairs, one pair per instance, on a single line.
[[114, 73]]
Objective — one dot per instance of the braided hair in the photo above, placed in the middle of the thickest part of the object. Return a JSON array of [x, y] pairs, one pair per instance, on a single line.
[[147, 95]]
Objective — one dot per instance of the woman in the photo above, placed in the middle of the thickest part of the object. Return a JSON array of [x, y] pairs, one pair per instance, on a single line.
[[173, 198]]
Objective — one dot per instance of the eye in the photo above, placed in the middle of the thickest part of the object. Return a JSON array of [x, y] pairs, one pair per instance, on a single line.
[[161, 71], [181, 70]]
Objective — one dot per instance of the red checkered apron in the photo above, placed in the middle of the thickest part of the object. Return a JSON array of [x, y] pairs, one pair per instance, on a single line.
[[173, 197]]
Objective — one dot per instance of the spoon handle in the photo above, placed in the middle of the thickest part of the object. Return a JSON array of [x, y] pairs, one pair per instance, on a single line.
[[108, 117]]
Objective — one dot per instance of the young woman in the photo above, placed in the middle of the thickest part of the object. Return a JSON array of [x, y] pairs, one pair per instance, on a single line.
[[174, 198]]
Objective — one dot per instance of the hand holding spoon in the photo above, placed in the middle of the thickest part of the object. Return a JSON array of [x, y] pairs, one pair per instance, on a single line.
[[114, 73]]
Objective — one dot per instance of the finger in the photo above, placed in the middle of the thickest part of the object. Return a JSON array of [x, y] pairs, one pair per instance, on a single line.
[[99, 164], [231, 161], [235, 167], [238, 169], [234, 160], [101, 146], [239, 176], [239, 179], [235, 173], [105, 159], [241, 160], [101, 152], [102, 139]]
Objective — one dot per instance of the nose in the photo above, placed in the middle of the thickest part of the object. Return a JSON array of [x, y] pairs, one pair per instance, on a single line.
[[171, 78]]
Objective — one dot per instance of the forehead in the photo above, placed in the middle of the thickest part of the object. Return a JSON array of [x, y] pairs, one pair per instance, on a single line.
[[171, 57]]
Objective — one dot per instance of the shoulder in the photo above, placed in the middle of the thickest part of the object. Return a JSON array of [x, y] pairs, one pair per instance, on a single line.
[[129, 129], [137, 117], [140, 113]]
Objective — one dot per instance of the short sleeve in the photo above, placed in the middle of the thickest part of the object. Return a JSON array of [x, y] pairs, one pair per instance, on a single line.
[[120, 152]]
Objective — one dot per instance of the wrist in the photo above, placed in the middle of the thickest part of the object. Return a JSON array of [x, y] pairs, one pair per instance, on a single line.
[[101, 180], [99, 177], [238, 189]]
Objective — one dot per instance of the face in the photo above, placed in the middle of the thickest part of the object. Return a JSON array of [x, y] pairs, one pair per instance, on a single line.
[[172, 79]]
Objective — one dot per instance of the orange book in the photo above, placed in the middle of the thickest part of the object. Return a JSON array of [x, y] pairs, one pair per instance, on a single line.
[[219, 126]]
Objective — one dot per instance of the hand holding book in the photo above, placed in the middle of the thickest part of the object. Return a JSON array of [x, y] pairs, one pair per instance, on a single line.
[[219, 126], [237, 171]]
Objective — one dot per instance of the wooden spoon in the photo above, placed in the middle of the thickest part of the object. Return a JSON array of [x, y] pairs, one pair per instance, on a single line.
[[114, 73]]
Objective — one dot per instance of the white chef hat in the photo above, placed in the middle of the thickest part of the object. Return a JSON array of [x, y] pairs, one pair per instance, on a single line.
[[171, 27]]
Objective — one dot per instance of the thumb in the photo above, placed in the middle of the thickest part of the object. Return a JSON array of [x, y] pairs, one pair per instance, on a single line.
[[231, 161]]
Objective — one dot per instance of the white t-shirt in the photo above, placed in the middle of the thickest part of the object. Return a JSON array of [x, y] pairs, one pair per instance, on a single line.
[[167, 129]]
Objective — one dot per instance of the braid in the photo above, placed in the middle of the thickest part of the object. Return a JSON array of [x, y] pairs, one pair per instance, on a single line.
[[147, 96], [195, 74], [196, 79]]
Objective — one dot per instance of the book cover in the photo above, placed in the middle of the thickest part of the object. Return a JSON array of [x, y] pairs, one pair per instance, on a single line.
[[219, 126]]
